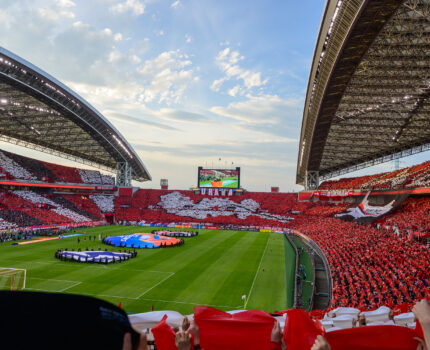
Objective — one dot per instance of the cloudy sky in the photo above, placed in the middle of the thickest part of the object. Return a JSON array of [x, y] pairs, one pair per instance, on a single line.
[[185, 81]]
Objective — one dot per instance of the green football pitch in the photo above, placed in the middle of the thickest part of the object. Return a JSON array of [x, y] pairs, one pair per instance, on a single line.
[[215, 269]]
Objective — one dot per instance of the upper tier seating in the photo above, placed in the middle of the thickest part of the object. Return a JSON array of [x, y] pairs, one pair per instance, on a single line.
[[64, 173], [14, 169], [35, 167], [107, 180], [410, 177], [14, 166], [90, 176]]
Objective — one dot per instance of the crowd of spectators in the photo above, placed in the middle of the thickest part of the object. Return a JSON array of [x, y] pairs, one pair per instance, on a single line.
[[81, 204], [105, 203], [39, 199], [412, 214], [251, 208], [369, 267], [14, 170], [5, 225], [209, 328], [17, 167], [410, 177], [21, 208]]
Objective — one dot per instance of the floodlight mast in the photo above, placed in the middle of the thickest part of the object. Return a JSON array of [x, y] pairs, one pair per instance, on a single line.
[[123, 174]]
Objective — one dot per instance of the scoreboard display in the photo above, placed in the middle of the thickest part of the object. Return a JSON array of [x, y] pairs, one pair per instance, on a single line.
[[221, 178]]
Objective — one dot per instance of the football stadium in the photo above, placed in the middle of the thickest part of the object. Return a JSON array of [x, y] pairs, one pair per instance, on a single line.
[[92, 258]]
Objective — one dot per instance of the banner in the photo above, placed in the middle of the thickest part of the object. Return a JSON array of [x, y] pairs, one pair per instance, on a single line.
[[333, 193], [300, 333], [71, 225], [106, 188], [216, 192], [246, 330], [366, 213]]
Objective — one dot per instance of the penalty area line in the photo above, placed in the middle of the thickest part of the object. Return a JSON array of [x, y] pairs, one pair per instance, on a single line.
[[73, 284], [256, 273], [155, 285]]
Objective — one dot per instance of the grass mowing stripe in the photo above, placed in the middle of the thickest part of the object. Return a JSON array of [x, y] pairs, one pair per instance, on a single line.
[[269, 288], [215, 268], [155, 285], [229, 261], [256, 274], [191, 271], [238, 271]]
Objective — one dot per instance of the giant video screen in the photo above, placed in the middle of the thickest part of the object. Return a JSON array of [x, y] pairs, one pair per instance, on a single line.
[[221, 178]]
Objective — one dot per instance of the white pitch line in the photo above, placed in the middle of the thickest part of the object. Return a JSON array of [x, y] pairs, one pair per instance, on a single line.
[[50, 279], [124, 297], [198, 304], [89, 266], [73, 285], [256, 273], [155, 285]]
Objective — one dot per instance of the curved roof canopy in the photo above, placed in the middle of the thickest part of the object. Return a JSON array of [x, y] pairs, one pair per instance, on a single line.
[[39, 112], [368, 94]]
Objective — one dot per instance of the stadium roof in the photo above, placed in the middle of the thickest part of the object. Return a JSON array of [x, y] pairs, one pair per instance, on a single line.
[[368, 93], [39, 112]]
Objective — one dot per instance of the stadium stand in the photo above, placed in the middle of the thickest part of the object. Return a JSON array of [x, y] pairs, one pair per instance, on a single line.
[[369, 267], [90, 176], [410, 177], [259, 209], [29, 208], [80, 204], [412, 214], [105, 203], [382, 328], [14, 170], [5, 225], [39, 199], [35, 167], [18, 167], [64, 173]]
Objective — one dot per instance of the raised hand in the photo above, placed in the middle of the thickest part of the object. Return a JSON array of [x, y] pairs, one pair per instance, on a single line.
[[183, 340], [321, 344]]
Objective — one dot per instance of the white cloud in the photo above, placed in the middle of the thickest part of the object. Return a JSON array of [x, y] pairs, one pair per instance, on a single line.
[[135, 6], [65, 3], [188, 38], [227, 60], [168, 75], [61, 10], [117, 37], [175, 4], [258, 109], [181, 116], [234, 91]]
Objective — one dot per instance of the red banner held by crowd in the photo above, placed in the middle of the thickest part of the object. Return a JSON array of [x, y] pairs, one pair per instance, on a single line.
[[300, 333], [247, 330]]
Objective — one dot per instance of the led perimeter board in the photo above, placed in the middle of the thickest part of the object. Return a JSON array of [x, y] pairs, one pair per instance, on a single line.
[[221, 178]]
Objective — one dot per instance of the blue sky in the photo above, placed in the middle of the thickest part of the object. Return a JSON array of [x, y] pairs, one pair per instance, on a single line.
[[186, 82]]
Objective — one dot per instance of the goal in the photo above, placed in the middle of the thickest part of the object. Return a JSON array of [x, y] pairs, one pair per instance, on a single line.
[[12, 279]]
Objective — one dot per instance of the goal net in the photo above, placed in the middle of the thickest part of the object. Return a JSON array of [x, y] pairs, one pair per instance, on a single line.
[[12, 279]]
